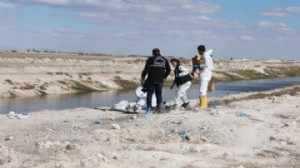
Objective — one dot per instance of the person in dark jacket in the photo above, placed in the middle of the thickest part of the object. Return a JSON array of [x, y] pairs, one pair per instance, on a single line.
[[183, 81], [157, 69]]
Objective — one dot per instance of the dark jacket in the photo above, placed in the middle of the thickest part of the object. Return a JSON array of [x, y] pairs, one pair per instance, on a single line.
[[182, 75], [157, 68]]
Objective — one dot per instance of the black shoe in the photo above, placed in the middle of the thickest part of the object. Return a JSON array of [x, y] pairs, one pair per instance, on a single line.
[[185, 105]]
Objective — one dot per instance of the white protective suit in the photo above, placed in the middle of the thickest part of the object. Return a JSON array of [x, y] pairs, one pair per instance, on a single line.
[[181, 92], [142, 98], [206, 74], [139, 104]]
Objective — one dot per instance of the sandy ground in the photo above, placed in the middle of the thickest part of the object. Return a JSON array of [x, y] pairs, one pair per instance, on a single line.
[[40, 74], [266, 135]]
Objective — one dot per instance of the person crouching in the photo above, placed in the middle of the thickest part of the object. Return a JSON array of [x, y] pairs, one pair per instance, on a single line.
[[182, 81]]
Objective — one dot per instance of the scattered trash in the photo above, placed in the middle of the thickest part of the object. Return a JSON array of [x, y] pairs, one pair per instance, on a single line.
[[115, 126], [22, 116], [182, 133], [216, 104], [240, 114], [13, 115], [122, 105], [138, 104], [97, 122]]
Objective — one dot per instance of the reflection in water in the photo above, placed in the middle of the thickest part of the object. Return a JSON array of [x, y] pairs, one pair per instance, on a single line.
[[59, 102]]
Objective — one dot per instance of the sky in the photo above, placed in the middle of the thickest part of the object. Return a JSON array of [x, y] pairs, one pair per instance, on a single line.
[[253, 29]]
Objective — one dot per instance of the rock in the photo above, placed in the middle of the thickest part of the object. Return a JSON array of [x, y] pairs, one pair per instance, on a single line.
[[50, 129], [272, 138], [105, 160], [66, 121], [204, 139], [282, 143], [204, 128], [115, 158], [294, 124], [225, 155], [71, 147], [48, 145], [240, 166], [187, 138], [38, 145], [112, 119], [134, 117], [9, 138], [291, 124], [115, 126]]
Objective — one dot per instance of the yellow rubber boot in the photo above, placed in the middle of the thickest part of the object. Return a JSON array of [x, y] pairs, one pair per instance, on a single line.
[[203, 102]]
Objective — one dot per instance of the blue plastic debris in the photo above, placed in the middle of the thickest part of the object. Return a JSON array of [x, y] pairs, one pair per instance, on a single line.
[[216, 103], [240, 114], [97, 122], [182, 133]]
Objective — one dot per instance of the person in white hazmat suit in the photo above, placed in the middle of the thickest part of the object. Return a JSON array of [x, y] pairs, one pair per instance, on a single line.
[[138, 104], [141, 93], [205, 74], [183, 81]]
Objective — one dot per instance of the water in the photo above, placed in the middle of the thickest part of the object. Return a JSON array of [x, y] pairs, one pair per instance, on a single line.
[[69, 101]]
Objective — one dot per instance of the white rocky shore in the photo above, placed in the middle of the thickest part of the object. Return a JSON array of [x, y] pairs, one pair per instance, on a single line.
[[40, 74], [265, 135]]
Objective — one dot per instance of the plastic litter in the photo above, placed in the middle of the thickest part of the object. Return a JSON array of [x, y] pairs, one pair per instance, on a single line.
[[182, 133], [13, 115], [240, 114], [22, 116], [216, 104], [97, 122], [121, 105]]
